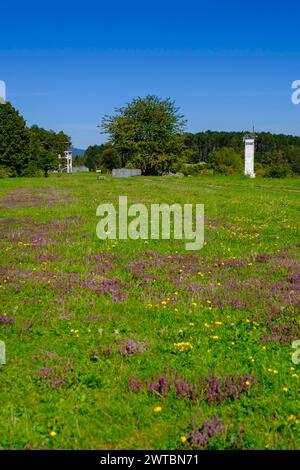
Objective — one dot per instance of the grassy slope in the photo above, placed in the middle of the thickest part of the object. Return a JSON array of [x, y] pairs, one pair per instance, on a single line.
[[83, 394]]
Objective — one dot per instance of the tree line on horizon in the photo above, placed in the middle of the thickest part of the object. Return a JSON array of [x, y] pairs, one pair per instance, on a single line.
[[27, 151], [147, 133]]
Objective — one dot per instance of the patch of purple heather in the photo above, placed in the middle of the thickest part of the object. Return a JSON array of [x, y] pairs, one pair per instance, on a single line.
[[262, 257], [212, 388], [32, 235], [6, 320], [53, 377], [47, 257], [200, 438], [134, 385], [294, 278], [114, 287], [22, 197], [12, 220], [185, 389], [281, 332], [218, 389], [66, 282], [130, 347], [161, 386], [104, 256], [243, 283]]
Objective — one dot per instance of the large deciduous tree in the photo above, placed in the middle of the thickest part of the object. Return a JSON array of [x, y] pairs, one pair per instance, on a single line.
[[14, 140], [146, 132]]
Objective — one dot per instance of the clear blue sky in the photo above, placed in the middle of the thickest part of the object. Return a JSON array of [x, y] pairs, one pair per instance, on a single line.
[[227, 64]]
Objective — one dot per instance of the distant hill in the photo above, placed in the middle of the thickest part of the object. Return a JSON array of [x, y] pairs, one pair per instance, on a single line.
[[77, 152]]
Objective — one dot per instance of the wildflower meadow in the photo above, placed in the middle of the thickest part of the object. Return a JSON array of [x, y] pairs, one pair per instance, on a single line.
[[141, 344]]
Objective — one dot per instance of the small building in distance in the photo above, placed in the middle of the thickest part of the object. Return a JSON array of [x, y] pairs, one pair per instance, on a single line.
[[126, 172]]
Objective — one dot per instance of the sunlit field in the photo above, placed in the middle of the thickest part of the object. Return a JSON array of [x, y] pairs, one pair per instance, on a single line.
[[142, 344]]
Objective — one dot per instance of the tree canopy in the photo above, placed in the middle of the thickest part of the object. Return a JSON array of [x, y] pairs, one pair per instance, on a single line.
[[14, 140], [146, 132], [27, 151]]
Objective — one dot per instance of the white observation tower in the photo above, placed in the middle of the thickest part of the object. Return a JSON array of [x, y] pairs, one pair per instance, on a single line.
[[65, 162], [249, 155]]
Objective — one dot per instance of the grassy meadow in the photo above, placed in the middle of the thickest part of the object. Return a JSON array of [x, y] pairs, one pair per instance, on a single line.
[[142, 344]]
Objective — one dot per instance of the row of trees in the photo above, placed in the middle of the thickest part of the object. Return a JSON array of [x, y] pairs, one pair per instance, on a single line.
[[27, 151], [148, 133], [275, 153]]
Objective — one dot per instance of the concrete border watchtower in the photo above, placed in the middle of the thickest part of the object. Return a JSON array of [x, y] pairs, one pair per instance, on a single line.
[[249, 155]]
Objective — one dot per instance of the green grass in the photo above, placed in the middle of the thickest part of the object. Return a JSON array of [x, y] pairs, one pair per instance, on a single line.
[[61, 323]]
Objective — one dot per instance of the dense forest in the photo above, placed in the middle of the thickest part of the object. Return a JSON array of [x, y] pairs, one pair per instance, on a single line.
[[276, 155], [203, 143]]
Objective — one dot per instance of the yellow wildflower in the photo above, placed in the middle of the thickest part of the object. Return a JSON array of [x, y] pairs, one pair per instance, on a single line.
[[183, 346], [157, 409]]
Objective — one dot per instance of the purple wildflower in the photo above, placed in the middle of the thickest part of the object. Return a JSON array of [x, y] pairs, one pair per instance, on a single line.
[[202, 437], [129, 347]]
